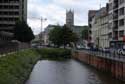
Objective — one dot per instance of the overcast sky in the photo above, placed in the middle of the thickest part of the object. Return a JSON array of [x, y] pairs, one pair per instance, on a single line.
[[55, 10]]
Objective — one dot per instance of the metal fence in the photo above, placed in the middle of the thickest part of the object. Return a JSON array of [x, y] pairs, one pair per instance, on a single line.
[[113, 55]]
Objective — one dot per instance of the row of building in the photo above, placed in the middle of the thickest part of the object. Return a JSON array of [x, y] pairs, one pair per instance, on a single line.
[[107, 25]]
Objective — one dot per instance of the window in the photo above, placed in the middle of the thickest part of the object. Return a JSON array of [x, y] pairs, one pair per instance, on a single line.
[[110, 35], [121, 1], [121, 11], [121, 22], [121, 33], [110, 16], [110, 25]]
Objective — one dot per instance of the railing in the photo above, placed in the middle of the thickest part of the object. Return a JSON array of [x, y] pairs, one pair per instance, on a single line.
[[105, 54]]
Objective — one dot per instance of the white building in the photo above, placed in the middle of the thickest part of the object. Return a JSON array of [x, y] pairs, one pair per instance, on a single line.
[[100, 29]]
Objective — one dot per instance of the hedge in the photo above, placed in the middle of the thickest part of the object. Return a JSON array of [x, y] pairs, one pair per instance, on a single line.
[[54, 53]]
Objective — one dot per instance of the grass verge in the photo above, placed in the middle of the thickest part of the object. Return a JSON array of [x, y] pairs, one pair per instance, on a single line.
[[15, 68]]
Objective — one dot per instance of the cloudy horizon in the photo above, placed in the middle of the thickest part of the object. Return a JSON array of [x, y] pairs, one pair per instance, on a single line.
[[55, 10]]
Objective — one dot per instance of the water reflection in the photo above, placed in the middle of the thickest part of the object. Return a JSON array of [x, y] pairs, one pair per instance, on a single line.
[[67, 72]]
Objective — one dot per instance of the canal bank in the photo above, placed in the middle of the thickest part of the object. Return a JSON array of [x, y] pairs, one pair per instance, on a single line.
[[112, 66], [16, 67]]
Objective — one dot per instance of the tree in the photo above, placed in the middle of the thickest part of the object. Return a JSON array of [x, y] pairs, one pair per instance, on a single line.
[[68, 36], [85, 34], [62, 36], [55, 36], [22, 32], [74, 37]]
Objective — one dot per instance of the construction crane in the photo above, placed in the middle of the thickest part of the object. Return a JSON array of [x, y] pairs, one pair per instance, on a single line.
[[41, 32], [41, 19]]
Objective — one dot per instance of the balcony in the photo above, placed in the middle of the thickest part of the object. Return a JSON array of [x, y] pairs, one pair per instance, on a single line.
[[115, 38], [115, 5], [115, 35], [7, 22], [115, 27], [9, 16], [115, 16], [10, 4], [6, 28], [9, 10]]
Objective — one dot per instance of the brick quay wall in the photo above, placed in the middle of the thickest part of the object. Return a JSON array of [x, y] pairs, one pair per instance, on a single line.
[[114, 67]]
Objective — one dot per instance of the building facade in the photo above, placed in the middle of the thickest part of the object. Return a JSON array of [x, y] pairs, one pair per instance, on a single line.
[[91, 15], [10, 12], [117, 22], [99, 29]]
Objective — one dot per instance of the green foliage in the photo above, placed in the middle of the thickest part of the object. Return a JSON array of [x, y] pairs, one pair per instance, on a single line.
[[68, 36], [74, 37], [55, 36], [15, 68], [62, 36], [55, 53], [22, 32], [85, 33]]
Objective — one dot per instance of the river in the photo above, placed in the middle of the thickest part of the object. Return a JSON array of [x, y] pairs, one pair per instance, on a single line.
[[67, 72]]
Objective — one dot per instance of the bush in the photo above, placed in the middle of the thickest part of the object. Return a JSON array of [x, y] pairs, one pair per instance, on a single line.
[[15, 68], [55, 53]]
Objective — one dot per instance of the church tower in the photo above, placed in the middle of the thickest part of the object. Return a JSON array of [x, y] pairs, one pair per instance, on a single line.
[[70, 18]]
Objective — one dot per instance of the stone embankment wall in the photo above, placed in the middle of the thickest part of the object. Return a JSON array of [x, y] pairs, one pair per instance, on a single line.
[[115, 68]]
